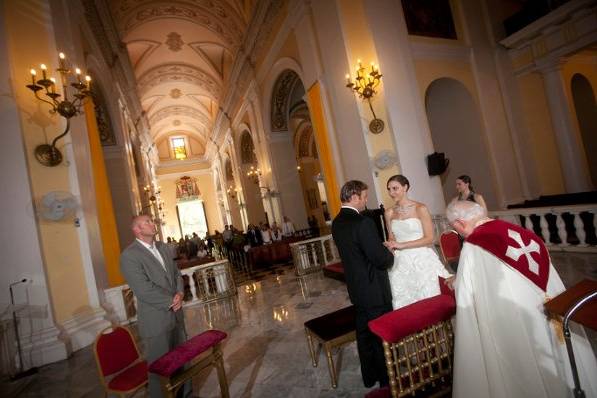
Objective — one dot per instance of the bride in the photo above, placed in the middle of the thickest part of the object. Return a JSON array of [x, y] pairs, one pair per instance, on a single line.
[[414, 275]]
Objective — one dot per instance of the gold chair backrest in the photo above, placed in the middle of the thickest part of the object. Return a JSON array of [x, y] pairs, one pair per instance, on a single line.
[[421, 361]]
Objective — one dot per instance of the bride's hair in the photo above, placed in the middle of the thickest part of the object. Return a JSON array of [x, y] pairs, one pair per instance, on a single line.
[[400, 179]]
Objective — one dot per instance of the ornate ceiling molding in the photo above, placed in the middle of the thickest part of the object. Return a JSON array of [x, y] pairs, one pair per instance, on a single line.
[[216, 61], [282, 89], [180, 73], [216, 16], [171, 111]]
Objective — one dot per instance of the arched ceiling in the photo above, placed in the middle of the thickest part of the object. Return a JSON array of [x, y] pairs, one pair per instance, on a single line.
[[182, 53]]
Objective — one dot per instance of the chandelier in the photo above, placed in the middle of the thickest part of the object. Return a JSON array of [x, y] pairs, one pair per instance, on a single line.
[[49, 155], [254, 174], [232, 191], [364, 84]]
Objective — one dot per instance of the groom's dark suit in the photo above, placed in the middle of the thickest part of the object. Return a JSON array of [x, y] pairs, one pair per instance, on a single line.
[[365, 260]]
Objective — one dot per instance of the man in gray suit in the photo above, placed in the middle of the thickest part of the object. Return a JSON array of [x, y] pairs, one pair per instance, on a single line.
[[157, 284]]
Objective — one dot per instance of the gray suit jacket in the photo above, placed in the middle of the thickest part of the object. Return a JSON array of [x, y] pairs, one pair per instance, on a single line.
[[153, 288]]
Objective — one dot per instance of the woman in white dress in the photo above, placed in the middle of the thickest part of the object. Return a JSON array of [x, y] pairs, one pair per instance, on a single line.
[[414, 275]]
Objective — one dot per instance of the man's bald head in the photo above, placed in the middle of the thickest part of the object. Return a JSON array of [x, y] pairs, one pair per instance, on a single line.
[[463, 215], [143, 227]]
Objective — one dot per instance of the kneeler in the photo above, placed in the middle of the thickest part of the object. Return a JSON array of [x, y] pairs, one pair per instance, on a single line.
[[205, 348], [418, 346]]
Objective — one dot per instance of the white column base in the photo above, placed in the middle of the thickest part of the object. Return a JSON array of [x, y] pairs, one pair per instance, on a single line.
[[43, 347], [83, 328]]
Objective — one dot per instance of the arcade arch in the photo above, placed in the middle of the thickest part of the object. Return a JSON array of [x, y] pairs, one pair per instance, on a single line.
[[457, 131]]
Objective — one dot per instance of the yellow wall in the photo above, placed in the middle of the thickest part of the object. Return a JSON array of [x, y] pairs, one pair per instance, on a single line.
[[360, 45], [30, 44], [543, 146], [103, 198]]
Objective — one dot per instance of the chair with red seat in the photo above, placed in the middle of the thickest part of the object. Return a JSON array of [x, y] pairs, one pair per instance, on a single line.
[[418, 346], [450, 245], [121, 368]]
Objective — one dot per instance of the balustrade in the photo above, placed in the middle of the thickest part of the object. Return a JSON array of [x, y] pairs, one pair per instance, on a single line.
[[562, 228], [206, 282], [312, 254]]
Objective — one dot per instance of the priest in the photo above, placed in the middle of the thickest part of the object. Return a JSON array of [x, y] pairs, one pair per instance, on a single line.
[[505, 345]]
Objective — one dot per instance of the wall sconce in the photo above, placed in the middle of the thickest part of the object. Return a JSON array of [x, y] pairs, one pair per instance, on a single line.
[[254, 174], [232, 191], [49, 155], [152, 196], [364, 84]]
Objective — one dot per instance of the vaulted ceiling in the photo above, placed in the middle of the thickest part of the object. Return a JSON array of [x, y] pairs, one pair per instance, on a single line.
[[182, 52]]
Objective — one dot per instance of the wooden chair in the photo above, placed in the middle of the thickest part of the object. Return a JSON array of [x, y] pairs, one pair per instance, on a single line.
[[121, 369], [330, 331], [185, 361], [450, 245], [418, 346]]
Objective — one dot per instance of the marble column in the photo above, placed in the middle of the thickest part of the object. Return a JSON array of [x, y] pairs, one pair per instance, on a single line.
[[572, 156]]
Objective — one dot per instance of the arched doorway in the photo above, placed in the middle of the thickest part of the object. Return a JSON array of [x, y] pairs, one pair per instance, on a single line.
[[586, 115], [294, 153], [456, 130], [250, 180]]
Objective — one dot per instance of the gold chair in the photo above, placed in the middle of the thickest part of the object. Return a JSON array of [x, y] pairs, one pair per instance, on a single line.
[[120, 367], [418, 346]]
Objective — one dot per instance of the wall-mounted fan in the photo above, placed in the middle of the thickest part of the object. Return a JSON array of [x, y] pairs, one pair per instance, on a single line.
[[57, 206]]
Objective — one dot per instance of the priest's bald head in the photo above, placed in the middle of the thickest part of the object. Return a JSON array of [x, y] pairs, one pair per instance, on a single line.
[[465, 215]]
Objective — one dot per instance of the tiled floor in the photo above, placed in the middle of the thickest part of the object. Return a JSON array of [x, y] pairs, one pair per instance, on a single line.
[[266, 353]]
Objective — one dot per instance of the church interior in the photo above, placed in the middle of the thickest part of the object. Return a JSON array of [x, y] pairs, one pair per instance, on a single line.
[[217, 114]]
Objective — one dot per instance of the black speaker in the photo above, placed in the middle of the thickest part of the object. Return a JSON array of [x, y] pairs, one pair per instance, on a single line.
[[437, 163]]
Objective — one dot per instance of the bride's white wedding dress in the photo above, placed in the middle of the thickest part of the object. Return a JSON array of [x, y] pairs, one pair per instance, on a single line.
[[413, 276]]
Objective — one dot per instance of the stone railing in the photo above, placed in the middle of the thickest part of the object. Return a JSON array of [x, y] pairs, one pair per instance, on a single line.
[[562, 228], [312, 254], [203, 283]]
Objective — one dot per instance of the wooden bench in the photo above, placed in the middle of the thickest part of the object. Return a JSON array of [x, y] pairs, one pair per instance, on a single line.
[[206, 348], [331, 331]]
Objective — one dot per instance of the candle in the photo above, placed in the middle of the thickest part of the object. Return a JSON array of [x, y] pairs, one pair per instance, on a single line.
[[33, 73], [43, 70], [61, 59], [53, 84], [78, 72], [88, 80], [347, 78]]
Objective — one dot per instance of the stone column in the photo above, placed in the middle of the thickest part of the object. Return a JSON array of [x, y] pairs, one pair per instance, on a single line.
[[572, 156]]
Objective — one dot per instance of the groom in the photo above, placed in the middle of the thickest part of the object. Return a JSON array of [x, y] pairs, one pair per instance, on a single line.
[[365, 261]]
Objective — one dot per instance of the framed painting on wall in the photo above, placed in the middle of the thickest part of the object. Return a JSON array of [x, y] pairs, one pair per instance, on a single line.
[[431, 18]]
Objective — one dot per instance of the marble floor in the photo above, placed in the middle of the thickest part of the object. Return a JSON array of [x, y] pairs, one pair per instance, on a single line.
[[265, 353]]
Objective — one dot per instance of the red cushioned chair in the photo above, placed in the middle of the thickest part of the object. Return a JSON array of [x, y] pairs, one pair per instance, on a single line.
[[450, 245], [120, 367], [418, 347]]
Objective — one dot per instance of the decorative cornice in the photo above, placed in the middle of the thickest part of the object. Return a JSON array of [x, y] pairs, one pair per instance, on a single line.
[[564, 31], [179, 72], [209, 14], [179, 110]]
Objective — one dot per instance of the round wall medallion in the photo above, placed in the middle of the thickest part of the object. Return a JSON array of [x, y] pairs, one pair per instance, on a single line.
[[376, 126], [384, 159]]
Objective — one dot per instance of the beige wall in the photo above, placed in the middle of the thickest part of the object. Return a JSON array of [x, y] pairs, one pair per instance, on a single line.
[[543, 147], [61, 250], [208, 194]]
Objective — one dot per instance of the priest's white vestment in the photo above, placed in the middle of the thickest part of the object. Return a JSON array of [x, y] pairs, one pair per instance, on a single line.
[[504, 345]]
